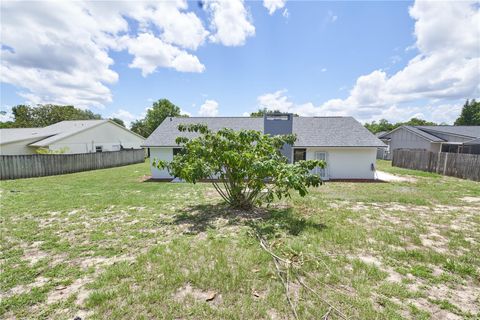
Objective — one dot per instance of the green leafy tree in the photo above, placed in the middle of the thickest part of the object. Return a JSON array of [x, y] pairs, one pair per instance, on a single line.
[[140, 128], [159, 111], [48, 151], [118, 121], [385, 125], [416, 122], [261, 112], [470, 115], [246, 167], [44, 115], [382, 125]]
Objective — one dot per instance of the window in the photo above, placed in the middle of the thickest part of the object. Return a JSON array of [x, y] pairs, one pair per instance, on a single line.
[[177, 151], [98, 149], [452, 148], [299, 154]]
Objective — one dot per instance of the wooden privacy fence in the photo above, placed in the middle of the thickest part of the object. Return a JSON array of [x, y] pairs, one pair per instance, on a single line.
[[39, 165], [461, 165]]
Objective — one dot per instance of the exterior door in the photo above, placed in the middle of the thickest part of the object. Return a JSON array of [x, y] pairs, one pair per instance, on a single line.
[[322, 172]]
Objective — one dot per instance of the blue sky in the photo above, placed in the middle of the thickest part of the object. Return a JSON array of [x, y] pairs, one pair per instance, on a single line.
[[370, 60]]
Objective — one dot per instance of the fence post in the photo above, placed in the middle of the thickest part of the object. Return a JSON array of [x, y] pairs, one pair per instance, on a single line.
[[445, 163]]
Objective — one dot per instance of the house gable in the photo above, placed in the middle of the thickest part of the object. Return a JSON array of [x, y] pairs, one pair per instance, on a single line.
[[108, 135]]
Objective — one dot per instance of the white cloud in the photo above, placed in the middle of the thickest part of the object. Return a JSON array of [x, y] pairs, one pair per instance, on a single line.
[[279, 100], [275, 101], [286, 13], [230, 22], [59, 51], [331, 17], [273, 5], [56, 54], [151, 53], [126, 116], [180, 28], [444, 73], [209, 109], [185, 112], [8, 116]]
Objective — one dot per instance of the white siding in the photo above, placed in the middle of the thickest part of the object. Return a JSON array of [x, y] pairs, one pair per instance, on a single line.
[[17, 148], [347, 163], [165, 154], [342, 163], [107, 135], [405, 139]]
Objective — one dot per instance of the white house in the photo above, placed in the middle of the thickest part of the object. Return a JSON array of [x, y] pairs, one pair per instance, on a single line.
[[82, 136], [348, 148]]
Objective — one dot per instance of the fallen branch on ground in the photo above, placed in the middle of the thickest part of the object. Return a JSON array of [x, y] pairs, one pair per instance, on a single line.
[[285, 281]]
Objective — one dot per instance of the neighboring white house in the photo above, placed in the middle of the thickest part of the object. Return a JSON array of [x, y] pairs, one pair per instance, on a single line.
[[82, 136], [348, 148]]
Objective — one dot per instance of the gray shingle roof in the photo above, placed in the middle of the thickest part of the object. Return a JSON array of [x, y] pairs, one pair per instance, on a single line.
[[333, 132], [167, 131], [467, 131], [472, 142], [424, 134], [310, 131]]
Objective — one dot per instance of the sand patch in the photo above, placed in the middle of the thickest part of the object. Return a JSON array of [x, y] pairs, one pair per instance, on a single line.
[[434, 310], [198, 295], [369, 260], [387, 177], [393, 276], [86, 262], [63, 292], [25, 288], [463, 297], [434, 241], [470, 199], [33, 255]]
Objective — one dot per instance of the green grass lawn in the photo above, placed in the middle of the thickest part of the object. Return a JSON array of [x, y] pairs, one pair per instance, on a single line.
[[105, 244]]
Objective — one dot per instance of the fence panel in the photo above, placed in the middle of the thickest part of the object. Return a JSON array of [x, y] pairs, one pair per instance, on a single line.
[[461, 165], [38, 165]]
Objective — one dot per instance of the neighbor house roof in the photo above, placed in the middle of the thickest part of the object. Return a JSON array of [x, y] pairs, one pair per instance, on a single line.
[[431, 133], [466, 131], [21, 134], [424, 134], [63, 129], [47, 135], [310, 131], [474, 141]]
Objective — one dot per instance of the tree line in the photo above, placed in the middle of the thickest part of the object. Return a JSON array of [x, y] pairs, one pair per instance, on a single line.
[[470, 116], [25, 116]]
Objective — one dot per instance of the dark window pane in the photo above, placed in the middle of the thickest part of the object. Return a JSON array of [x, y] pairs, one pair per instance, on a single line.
[[299, 154], [177, 151]]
